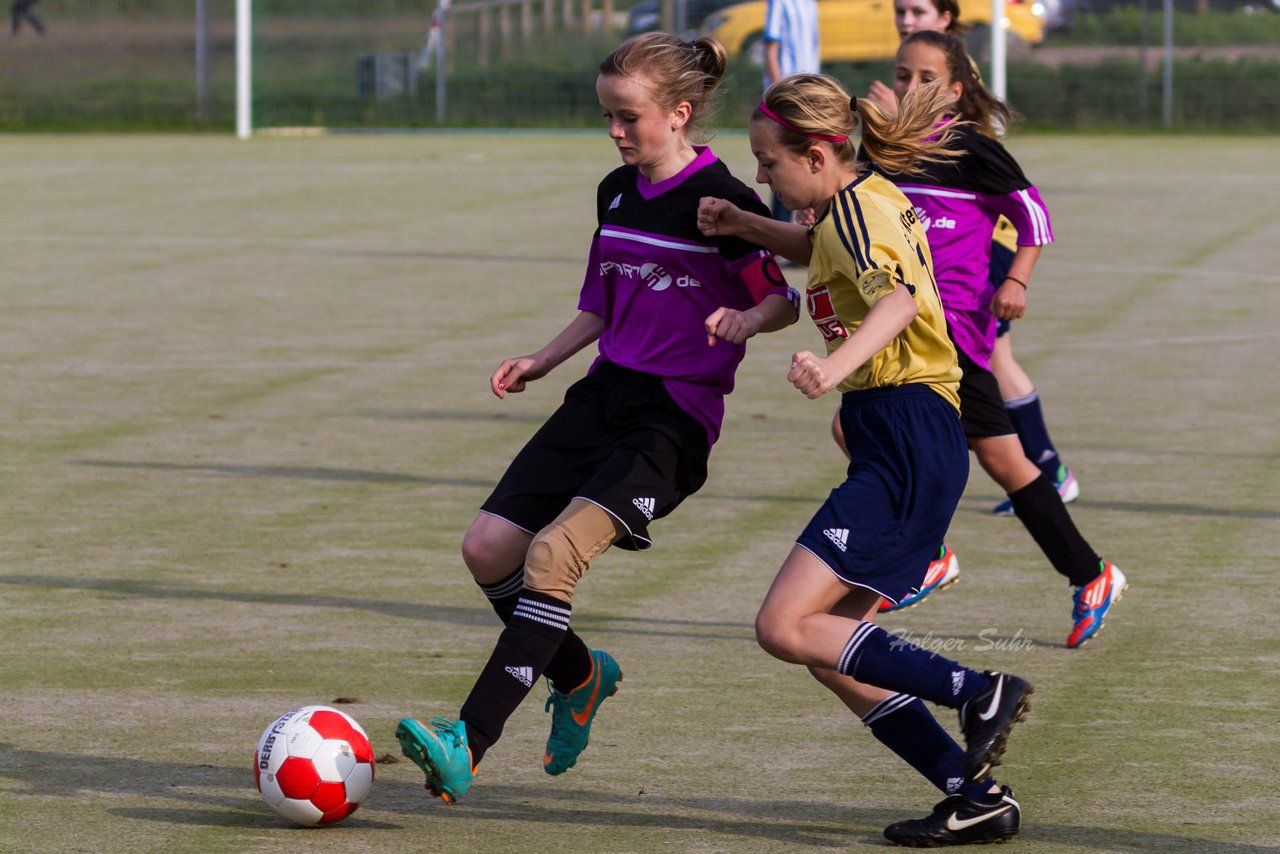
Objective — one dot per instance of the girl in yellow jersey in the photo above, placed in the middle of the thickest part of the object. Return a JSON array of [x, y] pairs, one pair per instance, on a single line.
[[872, 295]]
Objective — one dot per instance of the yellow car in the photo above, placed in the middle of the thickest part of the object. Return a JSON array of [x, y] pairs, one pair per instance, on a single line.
[[863, 30]]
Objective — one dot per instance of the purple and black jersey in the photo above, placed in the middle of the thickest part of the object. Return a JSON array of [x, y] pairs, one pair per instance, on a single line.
[[655, 278], [959, 203]]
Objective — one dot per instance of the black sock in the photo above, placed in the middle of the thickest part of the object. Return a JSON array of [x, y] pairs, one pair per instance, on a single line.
[[532, 636], [571, 665], [1040, 509]]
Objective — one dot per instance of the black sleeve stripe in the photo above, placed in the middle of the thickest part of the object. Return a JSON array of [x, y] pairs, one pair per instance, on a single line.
[[862, 229], [852, 235]]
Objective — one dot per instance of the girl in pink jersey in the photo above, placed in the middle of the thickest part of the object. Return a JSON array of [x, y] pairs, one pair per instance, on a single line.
[[959, 202], [1019, 393], [1016, 388], [670, 312]]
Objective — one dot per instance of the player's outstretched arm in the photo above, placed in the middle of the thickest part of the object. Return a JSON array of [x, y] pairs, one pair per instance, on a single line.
[[719, 218], [514, 374]]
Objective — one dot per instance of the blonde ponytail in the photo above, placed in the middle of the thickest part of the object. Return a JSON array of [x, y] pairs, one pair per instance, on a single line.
[[905, 142]]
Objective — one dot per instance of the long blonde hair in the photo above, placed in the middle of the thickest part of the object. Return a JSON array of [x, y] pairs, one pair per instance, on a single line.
[[816, 107]]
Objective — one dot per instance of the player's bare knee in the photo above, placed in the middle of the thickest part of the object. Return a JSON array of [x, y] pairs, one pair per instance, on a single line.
[[773, 637], [483, 557], [1006, 463]]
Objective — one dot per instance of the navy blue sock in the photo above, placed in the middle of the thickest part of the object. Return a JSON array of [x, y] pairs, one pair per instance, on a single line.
[[902, 723], [878, 658], [571, 665], [519, 659], [1028, 420]]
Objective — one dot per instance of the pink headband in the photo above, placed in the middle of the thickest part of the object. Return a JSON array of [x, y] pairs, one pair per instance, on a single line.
[[786, 124]]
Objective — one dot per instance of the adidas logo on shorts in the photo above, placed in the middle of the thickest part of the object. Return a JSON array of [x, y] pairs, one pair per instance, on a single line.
[[646, 506], [524, 675], [839, 536]]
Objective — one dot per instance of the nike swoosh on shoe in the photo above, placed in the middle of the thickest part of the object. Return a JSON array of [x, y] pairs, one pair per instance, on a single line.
[[954, 823]]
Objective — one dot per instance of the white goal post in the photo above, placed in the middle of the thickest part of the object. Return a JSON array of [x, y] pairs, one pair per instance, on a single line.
[[244, 69]]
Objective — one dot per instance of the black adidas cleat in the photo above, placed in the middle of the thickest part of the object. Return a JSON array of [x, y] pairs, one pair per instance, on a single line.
[[960, 821], [987, 719]]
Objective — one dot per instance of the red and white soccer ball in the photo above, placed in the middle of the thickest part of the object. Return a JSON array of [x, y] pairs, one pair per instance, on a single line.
[[313, 765]]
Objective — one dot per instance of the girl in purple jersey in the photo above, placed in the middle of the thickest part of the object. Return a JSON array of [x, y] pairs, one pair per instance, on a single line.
[[959, 203], [671, 311], [1016, 387]]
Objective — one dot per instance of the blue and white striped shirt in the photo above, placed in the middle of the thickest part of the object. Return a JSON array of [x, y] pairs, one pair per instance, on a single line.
[[793, 24]]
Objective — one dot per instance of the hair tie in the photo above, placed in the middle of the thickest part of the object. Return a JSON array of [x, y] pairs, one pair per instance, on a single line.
[[853, 104], [786, 124]]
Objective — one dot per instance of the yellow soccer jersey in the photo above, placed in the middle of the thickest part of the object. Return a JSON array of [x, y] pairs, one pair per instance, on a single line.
[[868, 243], [1005, 234]]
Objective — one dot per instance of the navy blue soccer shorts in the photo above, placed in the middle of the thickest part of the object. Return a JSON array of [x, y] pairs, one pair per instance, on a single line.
[[883, 525], [619, 441]]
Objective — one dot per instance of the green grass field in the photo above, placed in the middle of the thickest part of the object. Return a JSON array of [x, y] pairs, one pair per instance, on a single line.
[[246, 421]]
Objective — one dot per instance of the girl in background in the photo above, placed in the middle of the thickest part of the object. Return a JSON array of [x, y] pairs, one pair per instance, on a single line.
[[959, 202], [1016, 387]]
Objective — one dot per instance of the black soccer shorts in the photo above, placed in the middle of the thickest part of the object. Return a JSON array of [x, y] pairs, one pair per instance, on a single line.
[[618, 441]]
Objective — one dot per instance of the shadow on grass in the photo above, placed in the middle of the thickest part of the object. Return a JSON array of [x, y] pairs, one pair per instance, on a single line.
[[72, 775], [1181, 509], [979, 506], [444, 415], [301, 472], [366, 476], [224, 797], [641, 626], [982, 507], [227, 795], [793, 822]]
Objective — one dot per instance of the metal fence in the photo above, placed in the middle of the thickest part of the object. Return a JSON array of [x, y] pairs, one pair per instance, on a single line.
[[159, 64]]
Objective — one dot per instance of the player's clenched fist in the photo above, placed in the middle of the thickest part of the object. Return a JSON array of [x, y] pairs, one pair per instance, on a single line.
[[810, 374], [730, 324], [1009, 301], [718, 217]]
